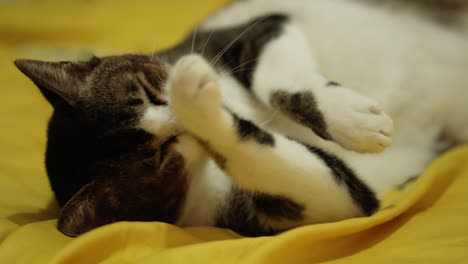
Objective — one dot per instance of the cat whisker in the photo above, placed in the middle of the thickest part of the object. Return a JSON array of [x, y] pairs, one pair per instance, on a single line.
[[272, 117], [239, 70], [221, 53], [242, 64], [206, 42], [194, 36], [224, 66]]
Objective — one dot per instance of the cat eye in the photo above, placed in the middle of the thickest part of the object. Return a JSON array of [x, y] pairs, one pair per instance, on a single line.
[[152, 96]]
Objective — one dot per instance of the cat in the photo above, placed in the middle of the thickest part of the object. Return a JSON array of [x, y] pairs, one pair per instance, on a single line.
[[250, 122]]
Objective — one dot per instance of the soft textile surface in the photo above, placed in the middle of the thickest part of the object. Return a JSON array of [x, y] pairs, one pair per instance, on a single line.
[[425, 223]]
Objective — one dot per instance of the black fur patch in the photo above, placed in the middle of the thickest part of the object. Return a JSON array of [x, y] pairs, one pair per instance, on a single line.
[[69, 146], [245, 207], [361, 194], [278, 207], [241, 54], [302, 108], [247, 130]]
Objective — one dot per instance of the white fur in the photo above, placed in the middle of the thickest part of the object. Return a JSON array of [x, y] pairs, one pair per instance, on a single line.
[[208, 192], [344, 110], [196, 101], [415, 70], [159, 120]]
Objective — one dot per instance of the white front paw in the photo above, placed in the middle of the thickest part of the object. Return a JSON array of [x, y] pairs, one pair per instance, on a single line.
[[356, 122], [194, 94]]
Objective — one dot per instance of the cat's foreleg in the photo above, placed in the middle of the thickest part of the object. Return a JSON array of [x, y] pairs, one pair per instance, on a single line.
[[287, 79], [260, 161]]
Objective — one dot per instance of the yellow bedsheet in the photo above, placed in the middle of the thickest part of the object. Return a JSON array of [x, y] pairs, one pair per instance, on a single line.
[[425, 223]]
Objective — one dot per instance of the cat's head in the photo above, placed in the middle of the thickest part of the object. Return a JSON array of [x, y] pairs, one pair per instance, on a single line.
[[112, 141]]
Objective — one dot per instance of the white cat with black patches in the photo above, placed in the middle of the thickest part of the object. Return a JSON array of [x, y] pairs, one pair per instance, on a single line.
[[251, 122]]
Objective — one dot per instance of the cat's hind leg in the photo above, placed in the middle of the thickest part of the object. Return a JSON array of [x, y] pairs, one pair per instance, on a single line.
[[287, 79], [313, 185]]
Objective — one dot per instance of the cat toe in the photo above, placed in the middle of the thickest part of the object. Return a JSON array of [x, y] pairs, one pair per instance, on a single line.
[[194, 93], [364, 132], [356, 122]]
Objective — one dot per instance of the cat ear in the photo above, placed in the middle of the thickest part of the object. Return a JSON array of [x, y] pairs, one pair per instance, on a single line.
[[86, 210], [60, 82]]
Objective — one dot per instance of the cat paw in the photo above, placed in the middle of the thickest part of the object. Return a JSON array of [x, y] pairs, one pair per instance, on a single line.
[[194, 94], [356, 122]]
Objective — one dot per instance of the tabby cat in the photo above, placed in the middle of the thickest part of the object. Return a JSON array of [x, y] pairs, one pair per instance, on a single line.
[[250, 123]]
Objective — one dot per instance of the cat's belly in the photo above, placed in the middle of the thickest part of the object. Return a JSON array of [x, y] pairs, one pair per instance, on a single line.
[[206, 197], [414, 67]]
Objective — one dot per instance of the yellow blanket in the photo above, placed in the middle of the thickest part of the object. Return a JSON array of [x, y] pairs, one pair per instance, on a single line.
[[425, 223]]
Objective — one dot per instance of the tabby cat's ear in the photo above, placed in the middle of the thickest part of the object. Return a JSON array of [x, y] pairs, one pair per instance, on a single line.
[[86, 210], [60, 82]]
